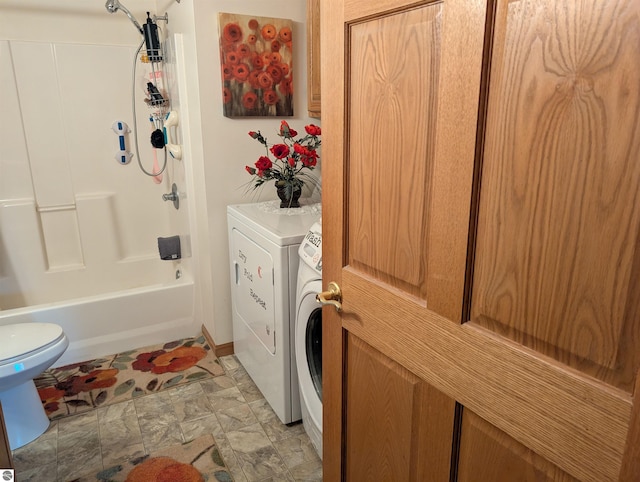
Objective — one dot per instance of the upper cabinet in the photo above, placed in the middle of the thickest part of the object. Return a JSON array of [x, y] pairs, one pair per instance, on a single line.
[[313, 58]]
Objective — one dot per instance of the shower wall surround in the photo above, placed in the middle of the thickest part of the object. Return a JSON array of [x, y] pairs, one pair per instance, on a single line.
[[74, 222], [78, 231]]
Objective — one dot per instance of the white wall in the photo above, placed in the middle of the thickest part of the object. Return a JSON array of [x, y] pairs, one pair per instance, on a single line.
[[226, 147]]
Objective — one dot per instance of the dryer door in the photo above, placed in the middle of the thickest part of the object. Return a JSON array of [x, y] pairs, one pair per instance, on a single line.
[[253, 288]]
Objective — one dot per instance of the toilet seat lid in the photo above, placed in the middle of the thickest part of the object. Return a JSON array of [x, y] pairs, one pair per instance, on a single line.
[[20, 339]]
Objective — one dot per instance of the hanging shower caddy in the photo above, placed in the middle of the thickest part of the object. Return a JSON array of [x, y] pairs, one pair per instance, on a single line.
[[157, 99], [157, 96]]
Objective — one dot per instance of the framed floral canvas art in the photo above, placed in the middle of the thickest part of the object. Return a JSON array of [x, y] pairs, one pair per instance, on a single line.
[[256, 63]]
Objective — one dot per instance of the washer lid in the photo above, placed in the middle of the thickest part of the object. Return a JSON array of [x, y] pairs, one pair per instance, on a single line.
[[22, 338]]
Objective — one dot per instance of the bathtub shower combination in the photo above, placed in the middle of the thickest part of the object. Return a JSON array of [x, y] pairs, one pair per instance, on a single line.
[[80, 270]]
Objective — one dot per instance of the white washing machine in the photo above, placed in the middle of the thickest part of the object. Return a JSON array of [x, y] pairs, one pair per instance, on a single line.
[[263, 248], [308, 341]]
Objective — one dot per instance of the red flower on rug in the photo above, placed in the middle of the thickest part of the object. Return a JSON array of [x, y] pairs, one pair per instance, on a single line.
[[162, 361], [91, 381], [50, 397], [164, 469]]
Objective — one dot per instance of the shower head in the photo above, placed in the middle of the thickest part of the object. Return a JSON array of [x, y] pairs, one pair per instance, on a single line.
[[113, 6]]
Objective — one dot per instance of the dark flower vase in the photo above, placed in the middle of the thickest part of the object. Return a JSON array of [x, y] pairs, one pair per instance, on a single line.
[[288, 196]]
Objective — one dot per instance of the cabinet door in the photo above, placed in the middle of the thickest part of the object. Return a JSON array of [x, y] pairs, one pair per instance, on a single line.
[[313, 58], [481, 218]]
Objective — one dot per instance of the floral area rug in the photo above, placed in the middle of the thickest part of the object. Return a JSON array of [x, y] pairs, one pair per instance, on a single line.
[[80, 387], [195, 461]]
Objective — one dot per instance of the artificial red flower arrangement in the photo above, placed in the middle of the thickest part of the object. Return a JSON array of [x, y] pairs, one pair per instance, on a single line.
[[293, 158]]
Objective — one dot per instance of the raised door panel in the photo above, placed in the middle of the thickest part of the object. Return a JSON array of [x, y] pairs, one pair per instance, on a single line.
[[399, 428], [488, 454], [557, 262], [394, 71]]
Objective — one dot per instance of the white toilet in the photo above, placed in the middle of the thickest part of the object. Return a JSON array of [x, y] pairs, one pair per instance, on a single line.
[[26, 350]]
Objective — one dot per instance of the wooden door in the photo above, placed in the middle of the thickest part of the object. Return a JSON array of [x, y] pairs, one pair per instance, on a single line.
[[6, 461], [481, 217]]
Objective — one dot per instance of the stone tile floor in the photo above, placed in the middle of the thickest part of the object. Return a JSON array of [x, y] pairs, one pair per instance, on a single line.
[[253, 442]]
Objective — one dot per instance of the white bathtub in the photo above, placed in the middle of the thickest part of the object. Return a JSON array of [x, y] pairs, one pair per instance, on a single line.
[[114, 322]]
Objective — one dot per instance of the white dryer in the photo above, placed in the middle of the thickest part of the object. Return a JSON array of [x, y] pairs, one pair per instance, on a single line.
[[308, 341], [263, 246]]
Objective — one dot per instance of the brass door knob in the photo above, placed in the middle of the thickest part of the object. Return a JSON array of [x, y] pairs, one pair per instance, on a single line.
[[333, 297]]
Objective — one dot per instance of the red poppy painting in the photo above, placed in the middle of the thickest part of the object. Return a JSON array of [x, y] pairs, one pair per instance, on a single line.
[[256, 55]]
